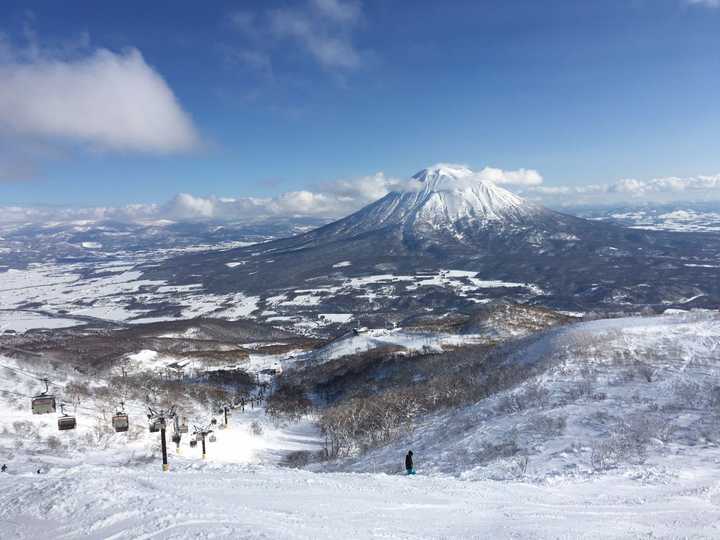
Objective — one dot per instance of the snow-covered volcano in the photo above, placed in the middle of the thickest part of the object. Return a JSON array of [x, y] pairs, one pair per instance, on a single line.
[[443, 199], [451, 193], [449, 218]]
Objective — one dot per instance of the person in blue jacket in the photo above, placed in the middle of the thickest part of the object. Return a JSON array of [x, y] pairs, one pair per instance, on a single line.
[[409, 467]]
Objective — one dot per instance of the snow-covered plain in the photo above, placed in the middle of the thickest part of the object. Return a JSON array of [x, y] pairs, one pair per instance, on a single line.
[[116, 292]]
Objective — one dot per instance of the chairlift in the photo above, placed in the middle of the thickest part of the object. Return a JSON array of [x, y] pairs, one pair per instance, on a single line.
[[66, 422], [120, 422], [155, 425], [44, 403]]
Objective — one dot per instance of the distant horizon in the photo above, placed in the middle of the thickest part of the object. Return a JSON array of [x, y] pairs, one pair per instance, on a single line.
[[336, 200]]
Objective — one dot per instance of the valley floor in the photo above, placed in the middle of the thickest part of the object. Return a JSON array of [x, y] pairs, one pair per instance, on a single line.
[[213, 500]]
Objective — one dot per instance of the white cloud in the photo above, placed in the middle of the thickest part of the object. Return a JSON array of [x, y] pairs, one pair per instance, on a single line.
[[321, 28], [341, 11], [328, 200], [706, 3], [520, 177], [112, 101], [663, 189], [344, 196]]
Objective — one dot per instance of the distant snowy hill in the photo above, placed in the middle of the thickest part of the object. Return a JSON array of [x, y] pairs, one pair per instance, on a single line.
[[618, 394]]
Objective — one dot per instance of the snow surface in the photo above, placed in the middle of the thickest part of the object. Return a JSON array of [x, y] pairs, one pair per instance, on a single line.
[[682, 353], [378, 338], [21, 321], [211, 500], [449, 193], [117, 490]]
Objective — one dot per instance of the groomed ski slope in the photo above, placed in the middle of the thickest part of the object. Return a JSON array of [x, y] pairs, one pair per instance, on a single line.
[[198, 500]]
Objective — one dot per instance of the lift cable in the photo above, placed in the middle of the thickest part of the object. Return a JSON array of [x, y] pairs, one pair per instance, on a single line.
[[29, 374]]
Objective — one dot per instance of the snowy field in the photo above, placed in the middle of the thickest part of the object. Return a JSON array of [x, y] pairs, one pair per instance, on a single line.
[[55, 295], [210, 500]]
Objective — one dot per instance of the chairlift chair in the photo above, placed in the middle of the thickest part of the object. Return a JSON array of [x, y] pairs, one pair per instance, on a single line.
[[44, 404], [193, 443], [66, 422], [212, 438], [120, 422], [154, 425], [213, 421], [184, 425]]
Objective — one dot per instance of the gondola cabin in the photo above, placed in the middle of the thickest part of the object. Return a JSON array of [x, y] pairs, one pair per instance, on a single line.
[[120, 422], [66, 422], [43, 404]]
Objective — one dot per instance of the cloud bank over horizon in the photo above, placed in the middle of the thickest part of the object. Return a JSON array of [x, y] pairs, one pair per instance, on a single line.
[[701, 188], [332, 200]]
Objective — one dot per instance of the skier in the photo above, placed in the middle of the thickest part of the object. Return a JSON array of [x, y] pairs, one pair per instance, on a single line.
[[409, 467]]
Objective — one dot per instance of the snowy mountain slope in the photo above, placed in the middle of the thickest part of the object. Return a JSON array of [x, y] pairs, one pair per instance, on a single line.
[[441, 197], [196, 500], [632, 394], [448, 218], [618, 424]]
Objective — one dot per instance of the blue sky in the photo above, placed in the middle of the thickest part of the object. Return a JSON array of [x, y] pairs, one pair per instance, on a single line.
[[273, 97]]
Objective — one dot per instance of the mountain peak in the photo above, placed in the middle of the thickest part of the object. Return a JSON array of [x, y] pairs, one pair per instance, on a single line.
[[440, 170], [452, 192]]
